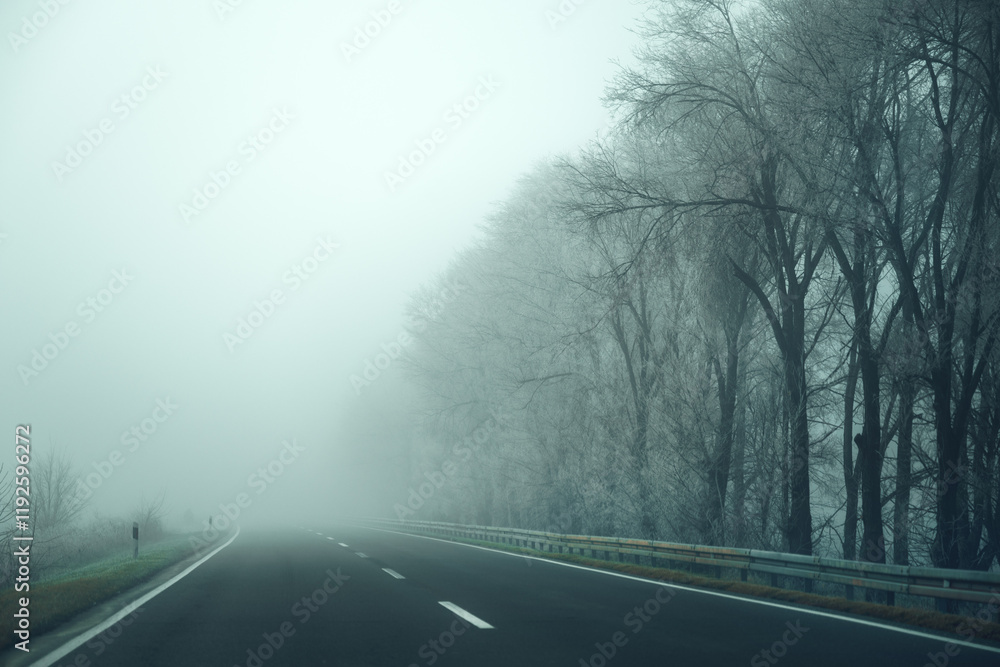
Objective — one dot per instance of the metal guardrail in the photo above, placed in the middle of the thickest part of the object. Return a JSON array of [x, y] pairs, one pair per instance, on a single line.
[[941, 584]]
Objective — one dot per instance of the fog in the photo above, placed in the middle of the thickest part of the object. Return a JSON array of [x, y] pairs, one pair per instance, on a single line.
[[297, 289], [170, 169]]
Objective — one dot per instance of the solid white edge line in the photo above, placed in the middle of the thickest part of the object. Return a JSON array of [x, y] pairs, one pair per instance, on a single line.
[[471, 618], [393, 573], [767, 603], [74, 643]]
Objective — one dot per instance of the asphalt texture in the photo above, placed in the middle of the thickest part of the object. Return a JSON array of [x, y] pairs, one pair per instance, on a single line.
[[301, 598]]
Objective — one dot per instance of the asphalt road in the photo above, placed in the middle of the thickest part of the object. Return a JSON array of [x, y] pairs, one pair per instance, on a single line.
[[353, 596]]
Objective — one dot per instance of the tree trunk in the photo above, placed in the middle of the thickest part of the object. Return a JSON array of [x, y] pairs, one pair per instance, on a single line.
[[799, 511], [904, 465], [738, 503], [850, 480], [870, 452], [718, 473]]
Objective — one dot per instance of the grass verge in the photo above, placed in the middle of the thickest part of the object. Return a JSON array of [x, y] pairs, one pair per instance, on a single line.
[[920, 618], [57, 600]]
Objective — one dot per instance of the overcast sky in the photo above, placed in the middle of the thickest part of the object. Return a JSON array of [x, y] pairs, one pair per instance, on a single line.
[[167, 166]]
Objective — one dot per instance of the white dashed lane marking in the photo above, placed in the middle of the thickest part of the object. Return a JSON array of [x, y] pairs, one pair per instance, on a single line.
[[461, 613]]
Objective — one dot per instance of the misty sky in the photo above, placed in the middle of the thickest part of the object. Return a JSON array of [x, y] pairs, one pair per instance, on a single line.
[[165, 97]]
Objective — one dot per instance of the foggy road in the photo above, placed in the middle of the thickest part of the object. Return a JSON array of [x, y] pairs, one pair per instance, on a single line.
[[358, 596], [696, 272]]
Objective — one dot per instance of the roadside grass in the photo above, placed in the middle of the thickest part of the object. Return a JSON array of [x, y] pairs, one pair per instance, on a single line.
[[55, 600], [921, 618]]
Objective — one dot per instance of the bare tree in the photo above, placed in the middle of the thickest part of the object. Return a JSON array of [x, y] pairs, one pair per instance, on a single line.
[[55, 502], [149, 515]]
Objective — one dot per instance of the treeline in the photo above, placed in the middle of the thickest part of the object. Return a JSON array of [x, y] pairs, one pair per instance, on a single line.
[[761, 312]]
